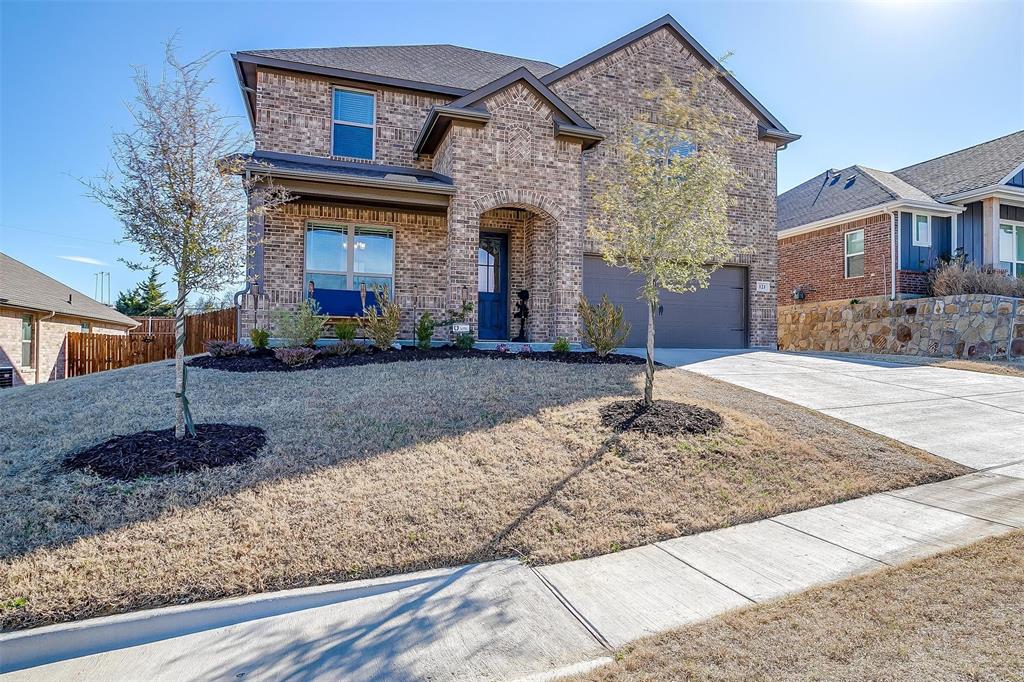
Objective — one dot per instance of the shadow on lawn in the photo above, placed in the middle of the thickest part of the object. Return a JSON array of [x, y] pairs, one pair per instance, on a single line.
[[314, 420]]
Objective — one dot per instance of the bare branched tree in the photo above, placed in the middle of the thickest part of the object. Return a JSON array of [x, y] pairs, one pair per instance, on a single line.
[[180, 189]]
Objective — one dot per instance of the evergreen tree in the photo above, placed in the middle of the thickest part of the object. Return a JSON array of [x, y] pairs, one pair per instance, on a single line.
[[147, 299]]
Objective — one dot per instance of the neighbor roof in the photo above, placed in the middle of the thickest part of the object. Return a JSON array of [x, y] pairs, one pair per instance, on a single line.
[[834, 193], [979, 166], [25, 287], [448, 65]]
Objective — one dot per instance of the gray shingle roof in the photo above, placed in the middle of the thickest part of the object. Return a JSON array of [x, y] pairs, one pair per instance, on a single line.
[[25, 287], [450, 65], [972, 168], [831, 193]]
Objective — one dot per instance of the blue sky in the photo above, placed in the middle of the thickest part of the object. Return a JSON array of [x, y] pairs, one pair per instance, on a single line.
[[884, 84]]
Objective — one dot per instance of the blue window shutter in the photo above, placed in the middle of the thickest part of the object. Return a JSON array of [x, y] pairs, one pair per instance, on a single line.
[[356, 107], [353, 141]]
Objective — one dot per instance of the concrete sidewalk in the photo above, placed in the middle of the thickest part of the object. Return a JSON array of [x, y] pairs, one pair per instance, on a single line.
[[972, 418], [503, 620]]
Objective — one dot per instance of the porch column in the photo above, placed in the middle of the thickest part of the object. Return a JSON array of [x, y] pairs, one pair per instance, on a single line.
[[568, 275], [990, 231], [463, 242]]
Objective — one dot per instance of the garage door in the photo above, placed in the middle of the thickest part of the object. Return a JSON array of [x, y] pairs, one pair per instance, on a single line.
[[714, 317]]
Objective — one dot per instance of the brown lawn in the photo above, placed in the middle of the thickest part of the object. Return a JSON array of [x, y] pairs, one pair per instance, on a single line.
[[390, 468], [955, 616]]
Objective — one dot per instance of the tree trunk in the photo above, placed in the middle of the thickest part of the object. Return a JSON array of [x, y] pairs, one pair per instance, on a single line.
[[179, 365], [649, 369]]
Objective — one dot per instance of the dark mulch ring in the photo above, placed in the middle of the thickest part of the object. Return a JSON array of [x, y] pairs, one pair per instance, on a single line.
[[157, 453], [264, 361], [663, 418]]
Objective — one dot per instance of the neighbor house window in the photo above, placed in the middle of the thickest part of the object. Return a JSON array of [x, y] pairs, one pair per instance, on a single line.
[[922, 230], [28, 349], [353, 123], [347, 256], [1011, 248], [855, 253], [86, 327]]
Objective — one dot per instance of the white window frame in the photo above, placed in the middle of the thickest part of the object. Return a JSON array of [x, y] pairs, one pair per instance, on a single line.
[[371, 126], [1016, 266], [913, 230], [847, 255], [350, 257]]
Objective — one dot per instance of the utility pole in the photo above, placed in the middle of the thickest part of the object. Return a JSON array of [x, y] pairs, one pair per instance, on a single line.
[[101, 287]]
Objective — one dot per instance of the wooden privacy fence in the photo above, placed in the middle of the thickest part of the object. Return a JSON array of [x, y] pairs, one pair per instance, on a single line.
[[88, 353]]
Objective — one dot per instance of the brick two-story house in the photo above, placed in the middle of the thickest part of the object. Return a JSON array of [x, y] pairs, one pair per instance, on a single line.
[[860, 232], [449, 175]]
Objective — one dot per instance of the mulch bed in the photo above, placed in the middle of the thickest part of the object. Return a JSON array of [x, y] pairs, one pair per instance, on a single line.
[[264, 360], [157, 453], [663, 418]]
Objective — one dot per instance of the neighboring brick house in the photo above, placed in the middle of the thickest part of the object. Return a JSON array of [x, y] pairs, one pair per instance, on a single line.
[[450, 175], [36, 313], [861, 232]]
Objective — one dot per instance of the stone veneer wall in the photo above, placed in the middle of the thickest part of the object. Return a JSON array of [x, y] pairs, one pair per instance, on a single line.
[[969, 326]]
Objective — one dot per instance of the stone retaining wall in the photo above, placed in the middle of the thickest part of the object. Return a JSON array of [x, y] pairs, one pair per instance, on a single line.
[[966, 326]]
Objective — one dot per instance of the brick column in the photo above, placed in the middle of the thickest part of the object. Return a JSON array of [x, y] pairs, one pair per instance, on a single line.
[[463, 242]]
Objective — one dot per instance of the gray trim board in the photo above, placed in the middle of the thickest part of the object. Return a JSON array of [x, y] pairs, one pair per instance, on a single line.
[[437, 122]]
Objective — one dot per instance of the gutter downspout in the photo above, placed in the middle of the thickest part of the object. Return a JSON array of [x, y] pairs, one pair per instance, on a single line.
[[894, 252], [254, 269]]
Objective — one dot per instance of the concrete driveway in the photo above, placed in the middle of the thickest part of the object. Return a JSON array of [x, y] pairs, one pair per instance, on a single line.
[[971, 418]]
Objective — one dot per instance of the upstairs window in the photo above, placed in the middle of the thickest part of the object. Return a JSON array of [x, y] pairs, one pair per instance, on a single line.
[[855, 254], [353, 123], [922, 230]]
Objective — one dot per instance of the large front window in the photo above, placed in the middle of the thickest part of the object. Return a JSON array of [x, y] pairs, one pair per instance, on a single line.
[[353, 123], [340, 257], [1011, 248]]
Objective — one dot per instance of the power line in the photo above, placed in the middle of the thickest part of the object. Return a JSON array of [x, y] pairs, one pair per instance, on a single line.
[[66, 237]]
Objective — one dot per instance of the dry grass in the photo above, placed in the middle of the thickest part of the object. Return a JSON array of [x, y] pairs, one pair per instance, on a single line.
[[956, 616], [957, 277], [389, 468]]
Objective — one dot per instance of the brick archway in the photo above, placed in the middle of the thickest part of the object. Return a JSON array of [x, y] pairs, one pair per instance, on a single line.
[[525, 199]]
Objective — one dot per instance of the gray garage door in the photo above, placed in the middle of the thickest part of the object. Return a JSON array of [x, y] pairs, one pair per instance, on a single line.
[[714, 317]]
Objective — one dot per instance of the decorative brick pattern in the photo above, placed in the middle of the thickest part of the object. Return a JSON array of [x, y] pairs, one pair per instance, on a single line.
[[51, 341], [971, 326]]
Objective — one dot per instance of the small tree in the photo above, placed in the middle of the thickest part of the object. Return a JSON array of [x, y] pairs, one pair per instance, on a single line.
[[177, 194], [666, 217], [147, 298]]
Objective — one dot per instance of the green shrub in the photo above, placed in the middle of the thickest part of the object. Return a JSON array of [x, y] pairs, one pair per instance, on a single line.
[[425, 330], [300, 327], [561, 345], [381, 321], [346, 330], [224, 349], [260, 337], [602, 326], [465, 341]]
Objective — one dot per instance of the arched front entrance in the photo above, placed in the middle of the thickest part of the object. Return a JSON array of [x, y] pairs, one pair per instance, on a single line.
[[516, 259]]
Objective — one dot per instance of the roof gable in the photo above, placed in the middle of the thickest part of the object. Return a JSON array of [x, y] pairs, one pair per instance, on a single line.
[[25, 287], [522, 74], [667, 21], [828, 194]]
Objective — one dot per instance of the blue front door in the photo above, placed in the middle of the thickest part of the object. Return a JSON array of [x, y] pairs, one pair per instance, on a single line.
[[492, 286]]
